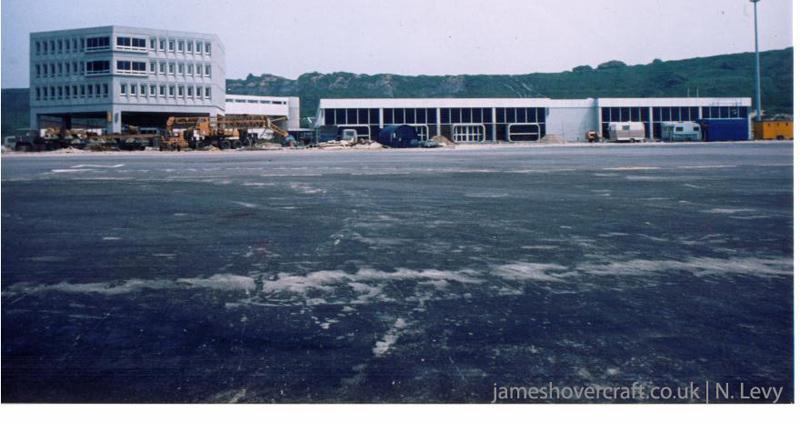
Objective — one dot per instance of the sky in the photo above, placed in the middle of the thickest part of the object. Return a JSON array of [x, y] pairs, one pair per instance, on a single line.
[[412, 37]]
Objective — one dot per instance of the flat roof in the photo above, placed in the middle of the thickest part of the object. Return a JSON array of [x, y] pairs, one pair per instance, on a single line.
[[532, 102], [131, 29]]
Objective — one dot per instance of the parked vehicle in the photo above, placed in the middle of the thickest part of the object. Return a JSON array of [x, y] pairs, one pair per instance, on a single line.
[[399, 136], [626, 132], [773, 130], [680, 131]]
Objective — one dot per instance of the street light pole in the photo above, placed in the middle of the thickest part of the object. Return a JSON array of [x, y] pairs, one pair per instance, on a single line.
[[758, 63]]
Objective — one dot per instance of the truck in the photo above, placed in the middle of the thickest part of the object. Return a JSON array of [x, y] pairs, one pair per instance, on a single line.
[[626, 132], [223, 132]]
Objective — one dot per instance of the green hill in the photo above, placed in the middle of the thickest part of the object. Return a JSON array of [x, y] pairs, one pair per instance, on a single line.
[[725, 76]]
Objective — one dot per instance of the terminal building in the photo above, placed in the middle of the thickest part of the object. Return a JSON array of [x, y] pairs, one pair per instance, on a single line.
[[114, 75], [520, 119]]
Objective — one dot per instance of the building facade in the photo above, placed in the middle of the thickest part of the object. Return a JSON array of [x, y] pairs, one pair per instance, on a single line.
[[520, 119], [114, 75], [286, 107]]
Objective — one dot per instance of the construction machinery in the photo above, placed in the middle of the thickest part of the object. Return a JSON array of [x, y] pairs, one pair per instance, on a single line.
[[223, 132]]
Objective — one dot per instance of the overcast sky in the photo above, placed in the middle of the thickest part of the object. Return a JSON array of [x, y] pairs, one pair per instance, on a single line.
[[414, 37]]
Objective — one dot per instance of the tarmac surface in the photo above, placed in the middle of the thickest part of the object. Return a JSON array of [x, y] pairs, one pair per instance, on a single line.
[[395, 276]]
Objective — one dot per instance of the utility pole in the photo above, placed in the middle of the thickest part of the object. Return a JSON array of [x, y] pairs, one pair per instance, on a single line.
[[758, 63]]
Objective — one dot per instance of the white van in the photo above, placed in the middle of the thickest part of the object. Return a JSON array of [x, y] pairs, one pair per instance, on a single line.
[[626, 132]]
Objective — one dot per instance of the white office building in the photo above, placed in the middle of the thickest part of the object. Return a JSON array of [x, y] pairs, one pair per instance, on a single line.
[[114, 75], [519, 119], [287, 109]]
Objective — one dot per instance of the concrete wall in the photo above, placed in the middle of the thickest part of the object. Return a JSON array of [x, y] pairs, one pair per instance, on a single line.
[[571, 124]]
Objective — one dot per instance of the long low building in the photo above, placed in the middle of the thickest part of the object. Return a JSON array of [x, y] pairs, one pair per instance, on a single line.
[[286, 107], [519, 119]]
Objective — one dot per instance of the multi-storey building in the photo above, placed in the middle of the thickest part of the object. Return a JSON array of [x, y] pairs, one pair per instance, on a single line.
[[119, 75]]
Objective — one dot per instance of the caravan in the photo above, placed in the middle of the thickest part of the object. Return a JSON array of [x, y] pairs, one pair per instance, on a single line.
[[626, 132]]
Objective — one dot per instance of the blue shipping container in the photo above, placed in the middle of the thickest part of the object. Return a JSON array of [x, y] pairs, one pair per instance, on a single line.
[[725, 129]]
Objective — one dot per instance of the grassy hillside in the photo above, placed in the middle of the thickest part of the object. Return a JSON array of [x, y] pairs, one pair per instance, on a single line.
[[725, 76]]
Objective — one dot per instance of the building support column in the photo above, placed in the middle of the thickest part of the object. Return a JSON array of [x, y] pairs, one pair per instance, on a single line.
[[438, 121], [113, 120], [494, 125], [650, 120], [34, 120]]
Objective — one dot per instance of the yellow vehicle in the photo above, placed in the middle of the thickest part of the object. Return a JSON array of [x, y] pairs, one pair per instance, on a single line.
[[223, 132], [773, 129]]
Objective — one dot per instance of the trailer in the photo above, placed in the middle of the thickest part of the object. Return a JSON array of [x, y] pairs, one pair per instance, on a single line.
[[626, 132], [680, 132]]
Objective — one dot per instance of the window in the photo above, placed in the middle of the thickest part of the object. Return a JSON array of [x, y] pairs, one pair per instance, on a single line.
[[91, 90], [74, 91], [52, 47], [152, 67], [172, 68], [60, 92], [123, 89], [171, 45], [60, 46], [105, 90], [82, 43], [152, 90], [52, 70], [208, 48], [52, 92], [208, 70], [190, 92], [180, 46], [180, 90], [38, 94], [98, 43], [60, 69], [128, 43], [162, 68], [161, 45], [128, 67], [38, 49], [98, 67], [180, 68], [208, 92], [38, 71], [152, 43], [75, 67], [83, 91], [161, 90], [172, 90]]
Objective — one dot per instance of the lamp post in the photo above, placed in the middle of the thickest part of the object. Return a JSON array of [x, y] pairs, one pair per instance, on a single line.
[[758, 63]]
